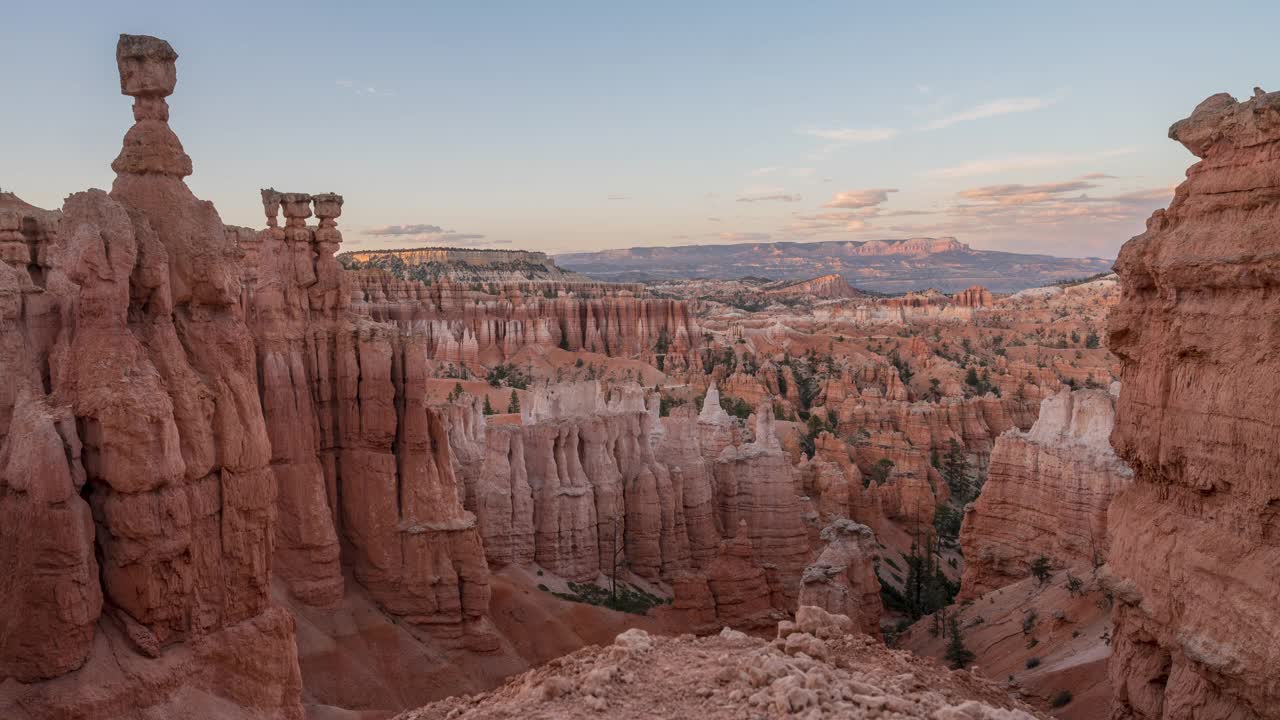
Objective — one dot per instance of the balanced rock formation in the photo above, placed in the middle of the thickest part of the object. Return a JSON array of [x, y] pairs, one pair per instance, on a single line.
[[1195, 543], [137, 394], [843, 579], [1047, 494]]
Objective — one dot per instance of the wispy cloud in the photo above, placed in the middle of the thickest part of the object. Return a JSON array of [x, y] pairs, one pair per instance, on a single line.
[[994, 108], [1008, 163], [360, 88], [796, 172], [775, 197], [421, 229], [825, 223], [743, 236], [852, 135], [853, 199], [619, 197], [1064, 207], [1019, 194], [431, 234]]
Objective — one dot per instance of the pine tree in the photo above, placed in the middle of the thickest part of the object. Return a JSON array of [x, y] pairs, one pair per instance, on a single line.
[[955, 470], [514, 406], [957, 654], [1041, 569], [488, 409]]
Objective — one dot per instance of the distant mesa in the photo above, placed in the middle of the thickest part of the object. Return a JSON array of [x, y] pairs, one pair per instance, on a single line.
[[429, 264], [891, 266]]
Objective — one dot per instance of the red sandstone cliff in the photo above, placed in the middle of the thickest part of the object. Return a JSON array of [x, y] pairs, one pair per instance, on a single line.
[[136, 435], [476, 329], [1046, 494], [363, 462], [842, 580], [1195, 543]]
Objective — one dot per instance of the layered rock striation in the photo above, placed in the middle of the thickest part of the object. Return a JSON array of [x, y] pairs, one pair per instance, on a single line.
[[136, 455], [363, 462], [481, 326], [1196, 541], [842, 580], [1047, 494]]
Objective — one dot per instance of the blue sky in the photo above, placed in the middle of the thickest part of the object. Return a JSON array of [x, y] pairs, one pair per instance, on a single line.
[[1028, 126]]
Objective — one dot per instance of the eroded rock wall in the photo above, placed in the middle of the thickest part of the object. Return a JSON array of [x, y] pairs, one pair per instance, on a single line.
[[1047, 494], [135, 452], [1195, 543], [471, 327]]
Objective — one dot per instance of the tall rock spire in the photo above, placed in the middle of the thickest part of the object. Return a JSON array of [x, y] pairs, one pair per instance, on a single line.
[[148, 73]]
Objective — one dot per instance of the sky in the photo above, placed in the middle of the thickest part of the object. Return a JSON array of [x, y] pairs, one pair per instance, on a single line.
[[574, 126]]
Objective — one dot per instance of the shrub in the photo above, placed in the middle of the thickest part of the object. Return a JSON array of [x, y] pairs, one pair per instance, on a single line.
[[1074, 585], [879, 473], [1040, 569], [1062, 698], [1029, 621], [1033, 662]]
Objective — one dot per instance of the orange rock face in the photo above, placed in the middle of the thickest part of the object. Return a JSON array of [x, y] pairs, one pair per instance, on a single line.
[[473, 328], [739, 587], [593, 475], [137, 391], [1196, 541], [756, 485], [1047, 494], [843, 580]]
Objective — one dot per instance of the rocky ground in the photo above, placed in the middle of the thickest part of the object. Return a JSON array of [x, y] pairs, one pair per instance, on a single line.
[[818, 667]]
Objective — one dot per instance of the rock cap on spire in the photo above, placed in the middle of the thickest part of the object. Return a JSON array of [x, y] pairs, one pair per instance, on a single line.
[[147, 66]]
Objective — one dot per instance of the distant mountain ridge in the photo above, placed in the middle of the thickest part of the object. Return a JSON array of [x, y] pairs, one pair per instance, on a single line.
[[894, 266]]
